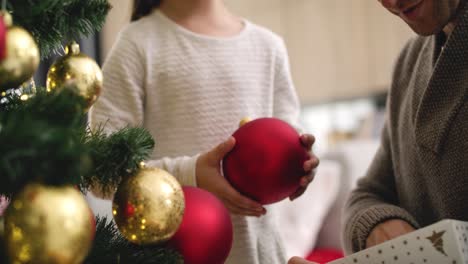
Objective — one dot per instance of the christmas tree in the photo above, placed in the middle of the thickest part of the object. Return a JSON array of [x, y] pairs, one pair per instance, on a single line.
[[47, 152]]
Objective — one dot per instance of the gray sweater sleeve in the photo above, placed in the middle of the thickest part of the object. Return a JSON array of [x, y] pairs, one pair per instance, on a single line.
[[375, 198], [373, 201], [401, 173]]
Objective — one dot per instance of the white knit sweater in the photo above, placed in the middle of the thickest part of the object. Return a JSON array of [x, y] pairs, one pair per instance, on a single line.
[[190, 91]]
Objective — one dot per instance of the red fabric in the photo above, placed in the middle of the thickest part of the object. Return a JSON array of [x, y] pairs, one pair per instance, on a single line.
[[3, 31], [324, 255]]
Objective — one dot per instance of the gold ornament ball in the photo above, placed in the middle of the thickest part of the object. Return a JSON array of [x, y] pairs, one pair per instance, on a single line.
[[148, 207], [244, 121], [78, 72], [22, 56], [52, 225]]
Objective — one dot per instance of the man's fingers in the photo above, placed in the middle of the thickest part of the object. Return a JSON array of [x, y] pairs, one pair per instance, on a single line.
[[388, 230]]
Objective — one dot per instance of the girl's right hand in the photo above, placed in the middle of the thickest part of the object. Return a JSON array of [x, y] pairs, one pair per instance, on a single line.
[[209, 177], [298, 260]]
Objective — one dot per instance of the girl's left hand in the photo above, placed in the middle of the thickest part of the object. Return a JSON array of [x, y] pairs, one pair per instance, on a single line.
[[310, 166], [298, 260]]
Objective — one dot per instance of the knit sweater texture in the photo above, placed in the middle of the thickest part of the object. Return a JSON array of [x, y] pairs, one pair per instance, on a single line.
[[190, 91], [420, 172]]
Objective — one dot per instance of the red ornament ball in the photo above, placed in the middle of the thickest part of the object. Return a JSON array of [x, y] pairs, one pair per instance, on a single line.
[[205, 235], [266, 164]]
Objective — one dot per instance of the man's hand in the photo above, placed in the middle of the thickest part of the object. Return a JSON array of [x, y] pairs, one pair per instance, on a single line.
[[388, 230], [208, 175], [298, 260], [309, 166]]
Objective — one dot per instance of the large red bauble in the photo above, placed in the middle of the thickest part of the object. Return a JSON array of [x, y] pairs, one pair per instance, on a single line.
[[267, 161], [205, 234], [3, 31]]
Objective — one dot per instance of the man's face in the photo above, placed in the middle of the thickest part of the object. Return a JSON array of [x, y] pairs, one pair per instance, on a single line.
[[425, 17]]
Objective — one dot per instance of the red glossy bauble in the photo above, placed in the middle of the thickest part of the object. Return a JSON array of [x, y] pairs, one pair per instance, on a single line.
[[267, 161], [205, 235], [3, 31]]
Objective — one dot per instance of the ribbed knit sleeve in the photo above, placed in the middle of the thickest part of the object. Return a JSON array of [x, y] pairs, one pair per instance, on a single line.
[[286, 103], [374, 200], [419, 173], [183, 168], [123, 99]]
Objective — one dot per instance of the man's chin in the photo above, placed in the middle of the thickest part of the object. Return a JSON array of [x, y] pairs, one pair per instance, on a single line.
[[425, 31]]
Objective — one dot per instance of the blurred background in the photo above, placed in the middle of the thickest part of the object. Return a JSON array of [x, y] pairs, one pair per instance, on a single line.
[[342, 54]]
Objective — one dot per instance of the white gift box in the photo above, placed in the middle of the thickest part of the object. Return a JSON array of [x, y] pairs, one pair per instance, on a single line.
[[445, 242]]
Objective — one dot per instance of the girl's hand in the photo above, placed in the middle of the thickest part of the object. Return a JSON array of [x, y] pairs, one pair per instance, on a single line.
[[208, 175], [310, 166], [298, 260]]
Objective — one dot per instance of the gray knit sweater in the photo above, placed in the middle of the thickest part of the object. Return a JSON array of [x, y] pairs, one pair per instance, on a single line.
[[420, 172]]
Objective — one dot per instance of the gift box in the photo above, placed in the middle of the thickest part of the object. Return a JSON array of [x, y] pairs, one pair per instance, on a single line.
[[445, 242]]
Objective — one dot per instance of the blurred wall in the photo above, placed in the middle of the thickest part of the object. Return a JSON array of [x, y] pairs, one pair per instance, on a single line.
[[117, 18], [338, 48]]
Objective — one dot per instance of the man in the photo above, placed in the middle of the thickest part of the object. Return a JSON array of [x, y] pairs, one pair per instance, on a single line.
[[420, 172]]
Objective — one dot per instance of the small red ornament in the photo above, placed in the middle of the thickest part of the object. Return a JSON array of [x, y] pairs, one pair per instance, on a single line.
[[3, 32], [267, 161], [129, 210], [205, 235]]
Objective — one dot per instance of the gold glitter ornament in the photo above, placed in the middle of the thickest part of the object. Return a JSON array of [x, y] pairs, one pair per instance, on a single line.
[[78, 72], [244, 121], [52, 225], [22, 56], [148, 207], [27, 90]]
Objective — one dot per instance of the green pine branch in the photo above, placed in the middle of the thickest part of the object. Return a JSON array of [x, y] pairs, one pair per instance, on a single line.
[[53, 21], [62, 107], [110, 247], [115, 156], [3, 254], [41, 141], [44, 139], [10, 101]]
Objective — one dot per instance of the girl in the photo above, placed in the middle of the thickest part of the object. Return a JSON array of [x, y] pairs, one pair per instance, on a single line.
[[189, 71]]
